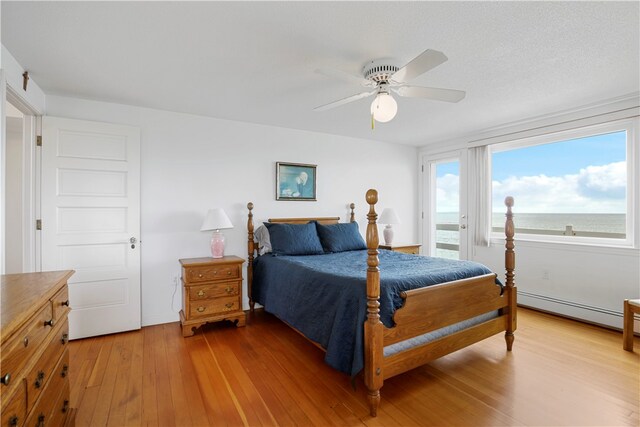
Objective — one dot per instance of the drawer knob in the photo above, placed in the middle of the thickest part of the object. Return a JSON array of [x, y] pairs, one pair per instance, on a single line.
[[215, 272], [6, 379], [229, 273], [200, 293], [49, 323], [200, 275], [65, 406], [13, 421], [200, 309], [64, 339], [65, 303], [229, 289], [65, 369], [39, 380], [40, 420], [25, 341], [229, 305]]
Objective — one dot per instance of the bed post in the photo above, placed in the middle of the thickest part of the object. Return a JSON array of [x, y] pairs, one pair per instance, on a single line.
[[250, 247], [373, 328], [509, 264], [352, 217]]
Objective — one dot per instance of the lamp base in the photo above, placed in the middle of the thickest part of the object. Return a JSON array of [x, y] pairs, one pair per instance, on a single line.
[[388, 235], [217, 245]]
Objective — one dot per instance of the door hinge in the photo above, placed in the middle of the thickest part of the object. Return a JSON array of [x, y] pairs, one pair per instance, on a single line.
[[39, 141], [38, 224], [422, 168], [422, 215]]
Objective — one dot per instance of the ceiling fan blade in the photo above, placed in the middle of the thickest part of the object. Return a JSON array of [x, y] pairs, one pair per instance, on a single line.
[[422, 63], [448, 95], [341, 75], [344, 101]]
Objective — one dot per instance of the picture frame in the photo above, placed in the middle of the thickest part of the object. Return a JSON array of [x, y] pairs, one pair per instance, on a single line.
[[296, 181]]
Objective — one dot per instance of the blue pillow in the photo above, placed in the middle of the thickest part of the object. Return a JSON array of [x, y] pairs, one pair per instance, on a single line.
[[341, 237], [294, 239]]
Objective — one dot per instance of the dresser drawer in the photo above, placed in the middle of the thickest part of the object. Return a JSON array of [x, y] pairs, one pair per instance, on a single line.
[[211, 272], [14, 411], [61, 409], [213, 291], [43, 370], [60, 304], [57, 386], [22, 346], [214, 306]]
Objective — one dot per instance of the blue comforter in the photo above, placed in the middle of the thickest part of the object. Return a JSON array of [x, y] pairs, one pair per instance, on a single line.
[[324, 296]]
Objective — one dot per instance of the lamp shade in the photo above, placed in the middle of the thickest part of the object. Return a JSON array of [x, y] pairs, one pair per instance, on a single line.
[[216, 219], [384, 107], [389, 216]]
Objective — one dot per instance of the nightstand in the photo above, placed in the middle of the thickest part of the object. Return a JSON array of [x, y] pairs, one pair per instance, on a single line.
[[407, 249], [211, 292]]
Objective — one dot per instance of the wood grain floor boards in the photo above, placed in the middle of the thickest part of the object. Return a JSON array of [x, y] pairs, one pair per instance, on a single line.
[[561, 372]]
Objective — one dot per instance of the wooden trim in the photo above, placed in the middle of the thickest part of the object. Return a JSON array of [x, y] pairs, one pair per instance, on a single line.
[[321, 220]]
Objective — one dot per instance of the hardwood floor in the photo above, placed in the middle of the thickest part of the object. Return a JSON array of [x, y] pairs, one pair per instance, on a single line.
[[561, 372]]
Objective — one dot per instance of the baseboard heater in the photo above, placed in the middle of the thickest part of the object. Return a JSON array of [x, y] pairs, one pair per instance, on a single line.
[[572, 304]]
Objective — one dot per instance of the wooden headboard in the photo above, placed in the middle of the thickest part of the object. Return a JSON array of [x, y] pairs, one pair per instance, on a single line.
[[252, 246]]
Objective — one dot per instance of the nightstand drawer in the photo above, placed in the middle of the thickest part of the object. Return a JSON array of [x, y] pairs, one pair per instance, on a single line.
[[204, 292], [209, 273], [215, 306]]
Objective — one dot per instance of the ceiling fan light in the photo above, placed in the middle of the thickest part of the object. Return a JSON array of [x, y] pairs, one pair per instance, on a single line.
[[384, 107]]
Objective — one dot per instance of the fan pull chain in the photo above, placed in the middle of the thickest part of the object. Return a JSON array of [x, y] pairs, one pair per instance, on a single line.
[[372, 122]]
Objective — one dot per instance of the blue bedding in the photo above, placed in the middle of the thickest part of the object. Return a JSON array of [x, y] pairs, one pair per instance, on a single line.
[[324, 296]]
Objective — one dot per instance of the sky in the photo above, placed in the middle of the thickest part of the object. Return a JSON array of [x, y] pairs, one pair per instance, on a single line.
[[585, 175]]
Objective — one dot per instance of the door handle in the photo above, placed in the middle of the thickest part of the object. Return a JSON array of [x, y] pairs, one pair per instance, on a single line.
[[133, 241]]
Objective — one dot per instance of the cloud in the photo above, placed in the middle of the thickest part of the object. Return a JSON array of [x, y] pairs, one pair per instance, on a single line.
[[448, 193], [595, 189]]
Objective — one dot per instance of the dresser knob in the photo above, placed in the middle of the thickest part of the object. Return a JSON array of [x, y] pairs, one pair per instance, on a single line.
[[65, 406], [229, 305], [6, 379], [65, 369], [200, 293], [49, 323], [25, 341], [229, 273], [64, 339], [229, 289], [200, 309], [13, 421], [40, 421], [65, 303], [200, 275]]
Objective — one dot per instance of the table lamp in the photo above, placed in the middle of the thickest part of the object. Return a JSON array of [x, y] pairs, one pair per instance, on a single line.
[[216, 220], [389, 216]]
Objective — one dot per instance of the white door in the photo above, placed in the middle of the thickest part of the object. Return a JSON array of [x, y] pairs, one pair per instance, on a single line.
[[90, 193], [445, 210]]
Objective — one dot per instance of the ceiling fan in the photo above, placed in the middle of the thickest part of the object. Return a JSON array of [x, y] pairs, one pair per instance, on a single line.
[[385, 78]]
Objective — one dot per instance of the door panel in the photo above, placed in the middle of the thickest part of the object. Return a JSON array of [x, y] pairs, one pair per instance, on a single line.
[[446, 217], [90, 210]]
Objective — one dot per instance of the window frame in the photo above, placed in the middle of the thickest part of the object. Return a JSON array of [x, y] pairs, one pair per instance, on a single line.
[[630, 126]]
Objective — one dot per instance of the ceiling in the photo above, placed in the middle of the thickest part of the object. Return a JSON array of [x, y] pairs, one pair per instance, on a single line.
[[256, 61]]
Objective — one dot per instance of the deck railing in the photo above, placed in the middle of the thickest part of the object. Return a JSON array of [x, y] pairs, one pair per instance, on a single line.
[[568, 231]]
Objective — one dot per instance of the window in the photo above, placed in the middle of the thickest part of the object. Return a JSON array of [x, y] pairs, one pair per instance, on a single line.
[[572, 186]]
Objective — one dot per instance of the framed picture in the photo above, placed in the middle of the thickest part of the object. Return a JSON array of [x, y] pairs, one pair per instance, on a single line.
[[295, 181]]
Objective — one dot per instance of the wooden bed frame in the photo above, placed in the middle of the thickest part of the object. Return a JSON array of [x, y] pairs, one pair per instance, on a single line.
[[424, 310]]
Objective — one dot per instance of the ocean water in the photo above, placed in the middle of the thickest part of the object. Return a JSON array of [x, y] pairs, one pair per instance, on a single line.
[[605, 223]]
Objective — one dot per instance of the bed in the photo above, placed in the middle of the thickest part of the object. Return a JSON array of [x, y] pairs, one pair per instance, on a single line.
[[381, 313]]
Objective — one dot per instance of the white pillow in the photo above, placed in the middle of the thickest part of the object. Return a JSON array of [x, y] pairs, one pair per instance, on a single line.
[[264, 242]]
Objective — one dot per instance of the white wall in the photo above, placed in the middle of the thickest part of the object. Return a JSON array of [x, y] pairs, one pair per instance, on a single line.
[[13, 196], [191, 164]]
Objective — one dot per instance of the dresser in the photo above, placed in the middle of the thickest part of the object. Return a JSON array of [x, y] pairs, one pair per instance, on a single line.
[[413, 248], [34, 370], [211, 292]]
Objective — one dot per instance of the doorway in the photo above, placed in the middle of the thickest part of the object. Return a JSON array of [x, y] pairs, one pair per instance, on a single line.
[[14, 191]]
